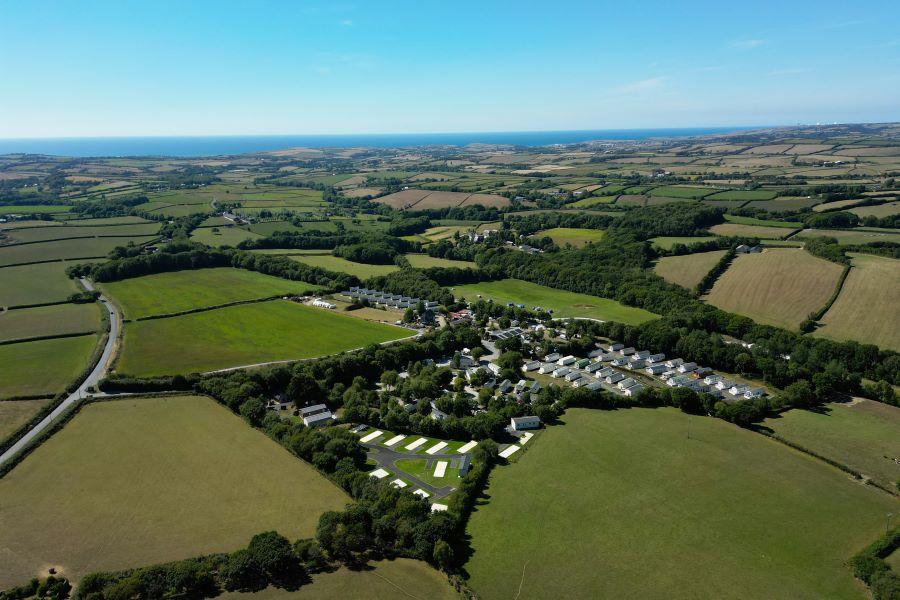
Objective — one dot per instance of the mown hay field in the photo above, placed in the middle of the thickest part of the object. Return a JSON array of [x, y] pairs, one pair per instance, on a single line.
[[563, 303], [660, 504], [687, 270], [342, 265], [36, 284], [166, 293], [743, 195], [577, 237], [43, 367], [15, 413], [246, 334], [758, 231], [40, 234], [423, 261], [57, 319], [780, 286], [868, 308], [882, 210], [854, 236], [134, 482], [65, 249]]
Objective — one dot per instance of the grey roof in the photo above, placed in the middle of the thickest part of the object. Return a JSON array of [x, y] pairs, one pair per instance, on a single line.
[[311, 410]]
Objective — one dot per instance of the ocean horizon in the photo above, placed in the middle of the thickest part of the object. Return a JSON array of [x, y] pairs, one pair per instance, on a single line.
[[193, 146]]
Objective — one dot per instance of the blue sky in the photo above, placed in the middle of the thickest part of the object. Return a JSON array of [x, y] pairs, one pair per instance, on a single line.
[[94, 68]]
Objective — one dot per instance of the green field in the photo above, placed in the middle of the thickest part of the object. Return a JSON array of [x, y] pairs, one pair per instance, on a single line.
[[861, 435], [243, 335], [854, 236], [757, 231], [743, 195], [563, 303], [65, 249], [763, 222], [36, 284], [659, 504], [418, 467], [166, 293], [689, 269], [58, 319], [22, 209], [342, 265], [15, 413], [680, 192], [135, 482], [666, 243], [222, 236], [43, 367], [423, 261], [40, 234], [574, 236]]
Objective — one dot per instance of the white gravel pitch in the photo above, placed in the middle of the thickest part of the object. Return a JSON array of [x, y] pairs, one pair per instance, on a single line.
[[371, 436], [394, 440], [440, 468], [416, 443], [509, 451], [436, 448], [467, 447]]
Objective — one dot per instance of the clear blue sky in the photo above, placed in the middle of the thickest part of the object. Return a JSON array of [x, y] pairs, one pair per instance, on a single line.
[[97, 68]]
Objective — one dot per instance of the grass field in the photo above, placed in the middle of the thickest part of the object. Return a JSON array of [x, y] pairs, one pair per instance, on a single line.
[[65, 249], [854, 236], [687, 270], [243, 335], [57, 319], [861, 435], [166, 293], [86, 230], [225, 236], [563, 303], [680, 192], [742, 195], [35, 284], [725, 513], [418, 467], [666, 243], [134, 482], [380, 580], [762, 222], [342, 265], [423, 261], [574, 236], [21, 209], [780, 286], [882, 210], [758, 231], [44, 366], [15, 413], [867, 309]]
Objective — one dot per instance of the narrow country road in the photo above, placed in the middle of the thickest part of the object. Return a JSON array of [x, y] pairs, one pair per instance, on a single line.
[[95, 376]]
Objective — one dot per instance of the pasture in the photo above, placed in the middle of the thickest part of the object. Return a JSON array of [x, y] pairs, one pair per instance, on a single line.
[[757, 231], [854, 236], [689, 269], [426, 199], [65, 249], [207, 483], [20, 209], [680, 192], [783, 203], [57, 319], [176, 291], [867, 309], [576, 237], [780, 286], [668, 505], [43, 367], [36, 284], [860, 434], [423, 261], [41, 234], [342, 265], [666, 243], [222, 236], [743, 195], [15, 413], [563, 303], [246, 334], [762, 222], [881, 210]]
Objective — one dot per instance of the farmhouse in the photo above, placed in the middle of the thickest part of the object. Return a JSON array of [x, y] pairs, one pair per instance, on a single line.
[[520, 423]]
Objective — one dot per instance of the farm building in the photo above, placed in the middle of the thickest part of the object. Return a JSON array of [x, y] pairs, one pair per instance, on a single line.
[[745, 249], [520, 423]]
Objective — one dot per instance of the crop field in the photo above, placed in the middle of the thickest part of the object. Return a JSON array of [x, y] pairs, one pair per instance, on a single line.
[[58, 319], [40, 234], [563, 303], [574, 236], [867, 309], [342, 265], [243, 335], [15, 413], [837, 204], [854, 236], [687, 270], [44, 366], [166, 293], [705, 510], [758, 231], [423, 261], [35, 284], [666, 243], [380, 580], [743, 195], [207, 483], [780, 286], [631, 200], [860, 434], [65, 249], [222, 236]]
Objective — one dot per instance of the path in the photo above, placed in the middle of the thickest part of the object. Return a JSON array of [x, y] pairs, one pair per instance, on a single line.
[[387, 459], [98, 373]]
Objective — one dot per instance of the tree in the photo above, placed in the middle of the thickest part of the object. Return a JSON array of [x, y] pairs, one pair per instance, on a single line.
[[443, 555], [409, 316], [273, 553], [241, 573], [254, 411], [304, 389], [389, 379]]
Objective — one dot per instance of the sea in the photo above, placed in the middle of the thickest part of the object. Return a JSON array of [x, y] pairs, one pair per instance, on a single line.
[[244, 144]]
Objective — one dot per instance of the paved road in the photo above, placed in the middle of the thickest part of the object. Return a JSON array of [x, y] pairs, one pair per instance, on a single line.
[[387, 459], [96, 375]]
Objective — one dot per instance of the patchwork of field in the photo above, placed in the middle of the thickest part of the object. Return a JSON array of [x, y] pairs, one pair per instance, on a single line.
[[668, 505], [15, 413], [222, 236], [881, 210], [689, 269], [43, 367], [681, 192], [380, 580], [563, 303], [573, 236], [65, 249], [166, 293], [780, 286], [867, 309], [425, 199], [743, 195], [342, 265], [58, 319], [861, 434], [423, 261], [36, 284], [207, 483], [854, 236], [40, 234], [757, 231], [245, 334]]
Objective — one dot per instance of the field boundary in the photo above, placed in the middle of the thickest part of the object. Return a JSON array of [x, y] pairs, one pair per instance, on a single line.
[[38, 305], [39, 338], [79, 237], [52, 260], [834, 296], [191, 311], [709, 280]]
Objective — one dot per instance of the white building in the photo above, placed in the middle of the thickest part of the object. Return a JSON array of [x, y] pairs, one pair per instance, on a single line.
[[754, 393], [573, 376], [687, 367], [531, 366], [560, 372], [322, 304], [547, 368], [566, 360], [520, 423], [626, 383], [631, 391], [656, 369], [738, 389]]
